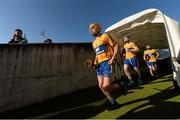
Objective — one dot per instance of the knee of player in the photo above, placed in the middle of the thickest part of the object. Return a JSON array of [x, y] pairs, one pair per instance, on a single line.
[[136, 69], [106, 87], [126, 70]]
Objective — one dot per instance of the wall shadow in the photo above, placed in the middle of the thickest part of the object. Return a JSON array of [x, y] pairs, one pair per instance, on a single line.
[[68, 101], [161, 109], [79, 105]]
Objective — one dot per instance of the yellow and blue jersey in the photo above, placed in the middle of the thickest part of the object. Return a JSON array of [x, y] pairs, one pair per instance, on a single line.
[[152, 55], [129, 54], [103, 48]]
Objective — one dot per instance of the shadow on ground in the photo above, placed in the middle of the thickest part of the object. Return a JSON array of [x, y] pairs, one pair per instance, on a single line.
[[161, 107], [73, 100], [80, 104]]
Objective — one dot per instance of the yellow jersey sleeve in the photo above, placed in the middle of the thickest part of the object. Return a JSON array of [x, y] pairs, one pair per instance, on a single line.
[[145, 52], [108, 40]]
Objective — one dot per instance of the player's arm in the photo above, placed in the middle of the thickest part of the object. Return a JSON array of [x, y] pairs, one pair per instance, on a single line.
[[135, 48], [144, 57], [157, 54], [115, 49], [95, 61], [123, 52], [115, 52], [114, 46]]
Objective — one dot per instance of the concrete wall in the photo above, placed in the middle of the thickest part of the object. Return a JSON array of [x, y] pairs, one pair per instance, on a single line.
[[31, 73]]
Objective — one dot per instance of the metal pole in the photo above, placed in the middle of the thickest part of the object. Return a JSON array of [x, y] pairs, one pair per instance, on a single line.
[[42, 34]]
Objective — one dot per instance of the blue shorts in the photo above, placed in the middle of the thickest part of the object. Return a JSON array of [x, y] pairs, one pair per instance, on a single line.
[[131, 62], [151, 63], [104, 69]]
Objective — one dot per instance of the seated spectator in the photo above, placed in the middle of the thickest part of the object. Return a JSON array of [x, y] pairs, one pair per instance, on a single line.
[[48, 41], [17, 37]]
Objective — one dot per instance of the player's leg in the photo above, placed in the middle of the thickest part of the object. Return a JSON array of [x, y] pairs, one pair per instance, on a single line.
[[134, 63], [127, 72], [107, 87], [101, 86], [138, 72], [100, 77], [151, 69], [154, 68], [107, 82], [126, 69], [139, 75]]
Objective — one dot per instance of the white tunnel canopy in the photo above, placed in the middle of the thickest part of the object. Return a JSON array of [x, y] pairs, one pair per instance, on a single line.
[[150, 26]]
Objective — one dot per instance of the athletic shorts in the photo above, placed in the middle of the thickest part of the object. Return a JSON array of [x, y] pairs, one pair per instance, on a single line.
[[104, 69], [131, 62], [151, 63]]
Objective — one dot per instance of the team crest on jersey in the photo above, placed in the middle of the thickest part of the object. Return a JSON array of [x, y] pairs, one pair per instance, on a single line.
[[100, 49]]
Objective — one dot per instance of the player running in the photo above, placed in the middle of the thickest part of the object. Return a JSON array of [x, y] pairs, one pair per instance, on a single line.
[[130, 50], [150, 56], [106, 50]]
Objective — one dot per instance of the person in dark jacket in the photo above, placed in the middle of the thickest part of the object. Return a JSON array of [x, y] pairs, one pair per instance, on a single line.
[[17, 37], [48, 41]]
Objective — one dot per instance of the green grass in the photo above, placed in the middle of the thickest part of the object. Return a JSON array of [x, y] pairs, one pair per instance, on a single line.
[[157, 99], [154, 99]]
